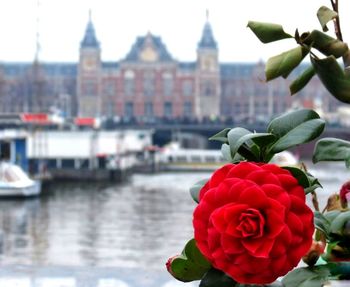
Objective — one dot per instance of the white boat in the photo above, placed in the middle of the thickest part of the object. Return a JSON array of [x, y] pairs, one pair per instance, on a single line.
[[14, 182]]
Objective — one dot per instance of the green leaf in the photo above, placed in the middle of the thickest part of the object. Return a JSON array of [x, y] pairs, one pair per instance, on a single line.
[[283, 64], [260, 139], [191, 264], [326, 44], [340, 270], [226, 152], [331, 215], [303, 133], [301, 81], [268, 32], [306, 277], [333, 77], [331, 149], [286, 122], [321, 223], [216, 278], [324, 15], [247, 150], [195, 189], [305, 179], [221, 136], [338, 223]]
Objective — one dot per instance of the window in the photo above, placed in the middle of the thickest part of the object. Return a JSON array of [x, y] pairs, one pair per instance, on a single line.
[[148, 83], [187, 88], [168, 84], [187, 109], [129, 83], [149, 109], [110, 109], [168, 109], [90, 87], [208, 88], [129, 109], [109, 88]]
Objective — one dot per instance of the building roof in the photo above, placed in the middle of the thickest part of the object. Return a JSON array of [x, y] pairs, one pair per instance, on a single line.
[[90, 40], [110, 65], [187, 66], [50, 69], [154, 42], [207, 41]]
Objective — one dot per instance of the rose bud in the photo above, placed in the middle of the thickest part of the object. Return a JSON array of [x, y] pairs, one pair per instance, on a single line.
[[316, 249], [345, 194], [252, 222]]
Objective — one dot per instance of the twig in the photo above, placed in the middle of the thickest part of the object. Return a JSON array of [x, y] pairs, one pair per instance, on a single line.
[[315, 201], [338, 32]]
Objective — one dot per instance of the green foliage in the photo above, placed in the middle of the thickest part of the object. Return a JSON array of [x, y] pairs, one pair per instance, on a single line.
[[302, 80], [195, 189], [324, 43], [305, 179], [284, 132], [307, 277], [221, 136], [332, 149], [191, 264], [215, 278], [284, 64], [324, 15], [322, 223], [333, 77], [338, 223], [268, 32]]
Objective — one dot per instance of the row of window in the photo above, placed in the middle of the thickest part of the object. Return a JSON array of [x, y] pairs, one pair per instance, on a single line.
[[109, 89], [149, 110]]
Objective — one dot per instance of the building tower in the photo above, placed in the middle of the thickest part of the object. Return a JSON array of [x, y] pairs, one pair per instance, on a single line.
[[89, 74], [207, 75], [36, 98]]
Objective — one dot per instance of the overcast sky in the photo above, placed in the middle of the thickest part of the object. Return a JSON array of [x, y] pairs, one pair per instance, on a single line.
[[179, 23]]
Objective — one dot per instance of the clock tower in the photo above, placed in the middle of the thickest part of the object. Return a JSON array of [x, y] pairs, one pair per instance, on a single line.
[[207, 75], [89, 74]]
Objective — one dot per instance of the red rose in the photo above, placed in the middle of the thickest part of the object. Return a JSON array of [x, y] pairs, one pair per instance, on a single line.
[[252, 222]]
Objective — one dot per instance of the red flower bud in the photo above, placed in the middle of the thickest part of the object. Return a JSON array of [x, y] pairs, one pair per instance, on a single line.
[[316, 250], [345, 194]]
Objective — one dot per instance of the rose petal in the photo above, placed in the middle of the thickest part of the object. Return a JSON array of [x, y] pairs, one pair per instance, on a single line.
[[220, 174], [287, 181], [231, 244], [275, 169], [254, 196], [259, 247], [263, 177], [242, 170]]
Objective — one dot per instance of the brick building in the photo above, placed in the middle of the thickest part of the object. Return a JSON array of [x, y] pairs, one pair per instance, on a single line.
[[149, 84]]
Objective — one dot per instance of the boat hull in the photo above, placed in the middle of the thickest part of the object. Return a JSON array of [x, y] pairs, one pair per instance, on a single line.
[[29, 190]]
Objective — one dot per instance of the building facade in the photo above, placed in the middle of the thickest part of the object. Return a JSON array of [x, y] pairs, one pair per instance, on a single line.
[[149, 84]]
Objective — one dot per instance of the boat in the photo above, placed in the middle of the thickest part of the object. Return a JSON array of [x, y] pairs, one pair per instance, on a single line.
[[14, 182]]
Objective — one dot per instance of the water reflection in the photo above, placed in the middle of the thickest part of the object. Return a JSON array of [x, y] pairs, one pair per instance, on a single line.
[[137, 224]]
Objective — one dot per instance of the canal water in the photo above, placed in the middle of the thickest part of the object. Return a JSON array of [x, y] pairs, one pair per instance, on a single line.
[[106, 230]]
